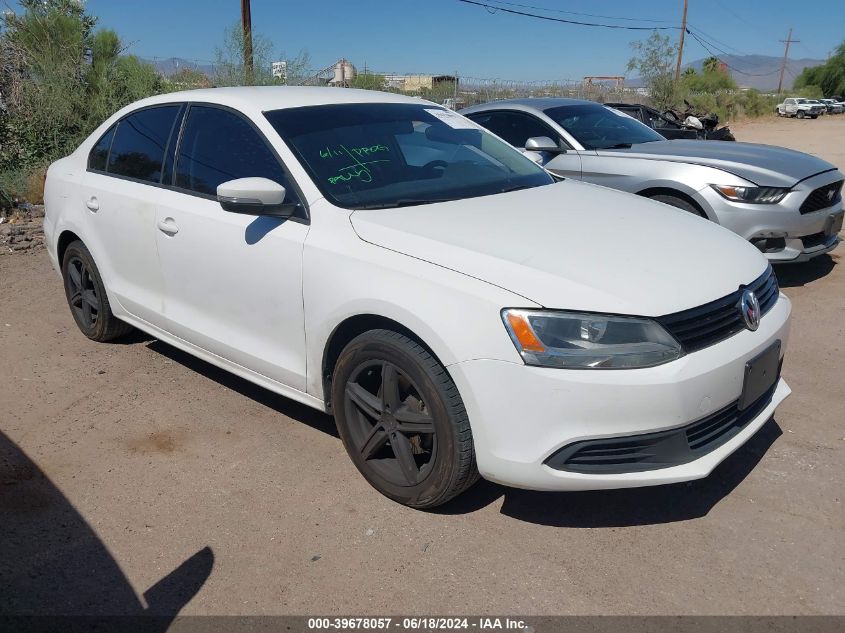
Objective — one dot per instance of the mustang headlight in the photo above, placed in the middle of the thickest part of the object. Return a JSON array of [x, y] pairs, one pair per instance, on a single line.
[[588, 341], [752, 195]]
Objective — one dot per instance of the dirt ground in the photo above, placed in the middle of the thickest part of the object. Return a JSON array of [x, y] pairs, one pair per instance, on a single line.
[[120, 463]]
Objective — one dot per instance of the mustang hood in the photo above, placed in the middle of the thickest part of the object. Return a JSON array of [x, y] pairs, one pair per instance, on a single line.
[[764, 165], [574, 246]]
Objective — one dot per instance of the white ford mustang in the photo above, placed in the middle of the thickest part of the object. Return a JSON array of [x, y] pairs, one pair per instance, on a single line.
[[457, 310]]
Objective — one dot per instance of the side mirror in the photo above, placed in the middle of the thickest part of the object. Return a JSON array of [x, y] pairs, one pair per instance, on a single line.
[[542, 144], [254, 196]]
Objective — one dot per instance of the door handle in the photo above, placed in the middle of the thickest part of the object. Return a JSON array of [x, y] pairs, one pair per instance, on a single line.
[[168, 226], [93, 204]]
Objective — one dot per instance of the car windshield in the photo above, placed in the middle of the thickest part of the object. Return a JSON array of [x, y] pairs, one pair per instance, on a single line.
[[803, 101], [381, 155], [599, 127]]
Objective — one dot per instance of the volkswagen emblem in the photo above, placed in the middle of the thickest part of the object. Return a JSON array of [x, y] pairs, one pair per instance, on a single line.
[[749, 306]]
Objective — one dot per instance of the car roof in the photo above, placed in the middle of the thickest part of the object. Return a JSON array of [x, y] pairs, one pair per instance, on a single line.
[[540, 104], [264, 98]]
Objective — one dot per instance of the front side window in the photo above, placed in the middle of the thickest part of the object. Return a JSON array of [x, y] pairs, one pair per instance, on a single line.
[[140, 140], [599, 127], [514, 127], [218, 145], [378, 155], [100, 152]]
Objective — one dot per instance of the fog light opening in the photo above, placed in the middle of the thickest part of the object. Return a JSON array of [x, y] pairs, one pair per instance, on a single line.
[[769, 244]]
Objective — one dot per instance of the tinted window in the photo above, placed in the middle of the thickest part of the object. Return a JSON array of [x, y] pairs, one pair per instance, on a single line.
[[379, 155], [139, 143], [100, 152], [514, 127], [599, 127], [218, 145]]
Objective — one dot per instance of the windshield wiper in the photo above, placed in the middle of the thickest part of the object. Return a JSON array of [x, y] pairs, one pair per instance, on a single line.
[[404, 202], [617, 146], [515, 188]]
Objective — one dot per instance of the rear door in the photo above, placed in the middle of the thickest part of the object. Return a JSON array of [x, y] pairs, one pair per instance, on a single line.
[[120, 192], [233, 282], [517, 127]]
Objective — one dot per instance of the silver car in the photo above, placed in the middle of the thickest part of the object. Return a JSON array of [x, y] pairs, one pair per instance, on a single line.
[[787, 203]]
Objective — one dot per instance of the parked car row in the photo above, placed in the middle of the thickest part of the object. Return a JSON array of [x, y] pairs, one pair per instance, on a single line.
[[786, 203], [460, 307], [809, 108]]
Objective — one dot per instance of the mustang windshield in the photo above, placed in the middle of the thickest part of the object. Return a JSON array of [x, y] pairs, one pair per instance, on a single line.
[[599, 127], [380, 155]]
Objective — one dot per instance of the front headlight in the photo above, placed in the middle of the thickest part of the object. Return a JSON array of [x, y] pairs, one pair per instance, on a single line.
[[588, 341], [752, 195]]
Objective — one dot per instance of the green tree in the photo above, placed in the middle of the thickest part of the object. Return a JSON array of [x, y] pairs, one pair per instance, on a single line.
[[653, 59], [711, 65], [187, 79], [829, 78], [59, 80], [368, 81]]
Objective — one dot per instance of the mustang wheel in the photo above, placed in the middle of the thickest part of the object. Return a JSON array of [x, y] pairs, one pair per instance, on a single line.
[[402, 420], [86, 296], [679, 203]]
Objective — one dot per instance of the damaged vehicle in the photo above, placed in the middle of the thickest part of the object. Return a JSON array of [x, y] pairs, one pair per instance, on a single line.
[[674, 125], [787, 203]]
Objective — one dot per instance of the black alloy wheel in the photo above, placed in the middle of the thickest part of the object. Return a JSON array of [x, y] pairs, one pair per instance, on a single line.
[[402, 420]]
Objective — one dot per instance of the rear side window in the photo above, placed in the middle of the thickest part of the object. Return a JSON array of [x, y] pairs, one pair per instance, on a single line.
[[140, 140], [218, 145], [100, 152]]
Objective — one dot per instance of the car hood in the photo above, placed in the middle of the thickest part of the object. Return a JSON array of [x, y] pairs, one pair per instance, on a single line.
[[764, 165], [573, 246]]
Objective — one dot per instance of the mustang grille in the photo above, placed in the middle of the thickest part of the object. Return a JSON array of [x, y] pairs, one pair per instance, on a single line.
[[715, 321], [822, 198]]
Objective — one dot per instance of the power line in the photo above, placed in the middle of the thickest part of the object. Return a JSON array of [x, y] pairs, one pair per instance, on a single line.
[[588, 15], [737, 70], [565, 21], [712, 39]]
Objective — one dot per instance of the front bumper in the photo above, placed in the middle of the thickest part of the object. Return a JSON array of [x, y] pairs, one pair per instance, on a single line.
[[785, 234], [522, 415]]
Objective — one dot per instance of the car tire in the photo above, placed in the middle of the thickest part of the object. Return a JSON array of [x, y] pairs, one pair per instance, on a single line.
[[680, 203], [86, 296], [412, 440], [800, 114]]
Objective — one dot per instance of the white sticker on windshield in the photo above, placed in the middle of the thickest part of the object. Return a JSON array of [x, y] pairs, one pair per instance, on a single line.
[[452, 119]]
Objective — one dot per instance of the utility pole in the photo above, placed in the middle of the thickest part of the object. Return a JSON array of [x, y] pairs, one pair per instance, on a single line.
[[787, 41], [246, 22], [681, 43]]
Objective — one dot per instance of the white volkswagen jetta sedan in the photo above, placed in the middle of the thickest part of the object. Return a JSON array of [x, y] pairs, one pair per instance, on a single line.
[[459, 312]]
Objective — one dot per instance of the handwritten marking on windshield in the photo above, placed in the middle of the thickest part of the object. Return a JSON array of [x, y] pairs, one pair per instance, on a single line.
[[359, 170], [359, 152]]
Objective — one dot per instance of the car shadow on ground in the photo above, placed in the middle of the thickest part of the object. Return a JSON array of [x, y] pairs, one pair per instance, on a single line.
[[625, 507], [295, 410], [52, 563], [605, 508], [792, 275]]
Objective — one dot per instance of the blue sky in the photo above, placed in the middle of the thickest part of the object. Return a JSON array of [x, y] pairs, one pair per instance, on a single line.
[[442, 36]]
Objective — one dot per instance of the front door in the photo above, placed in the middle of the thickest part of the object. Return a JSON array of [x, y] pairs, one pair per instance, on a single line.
[[517, 127], [233, 283]]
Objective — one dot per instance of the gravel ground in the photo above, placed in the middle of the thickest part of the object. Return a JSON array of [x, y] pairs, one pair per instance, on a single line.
[[120, 463]]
